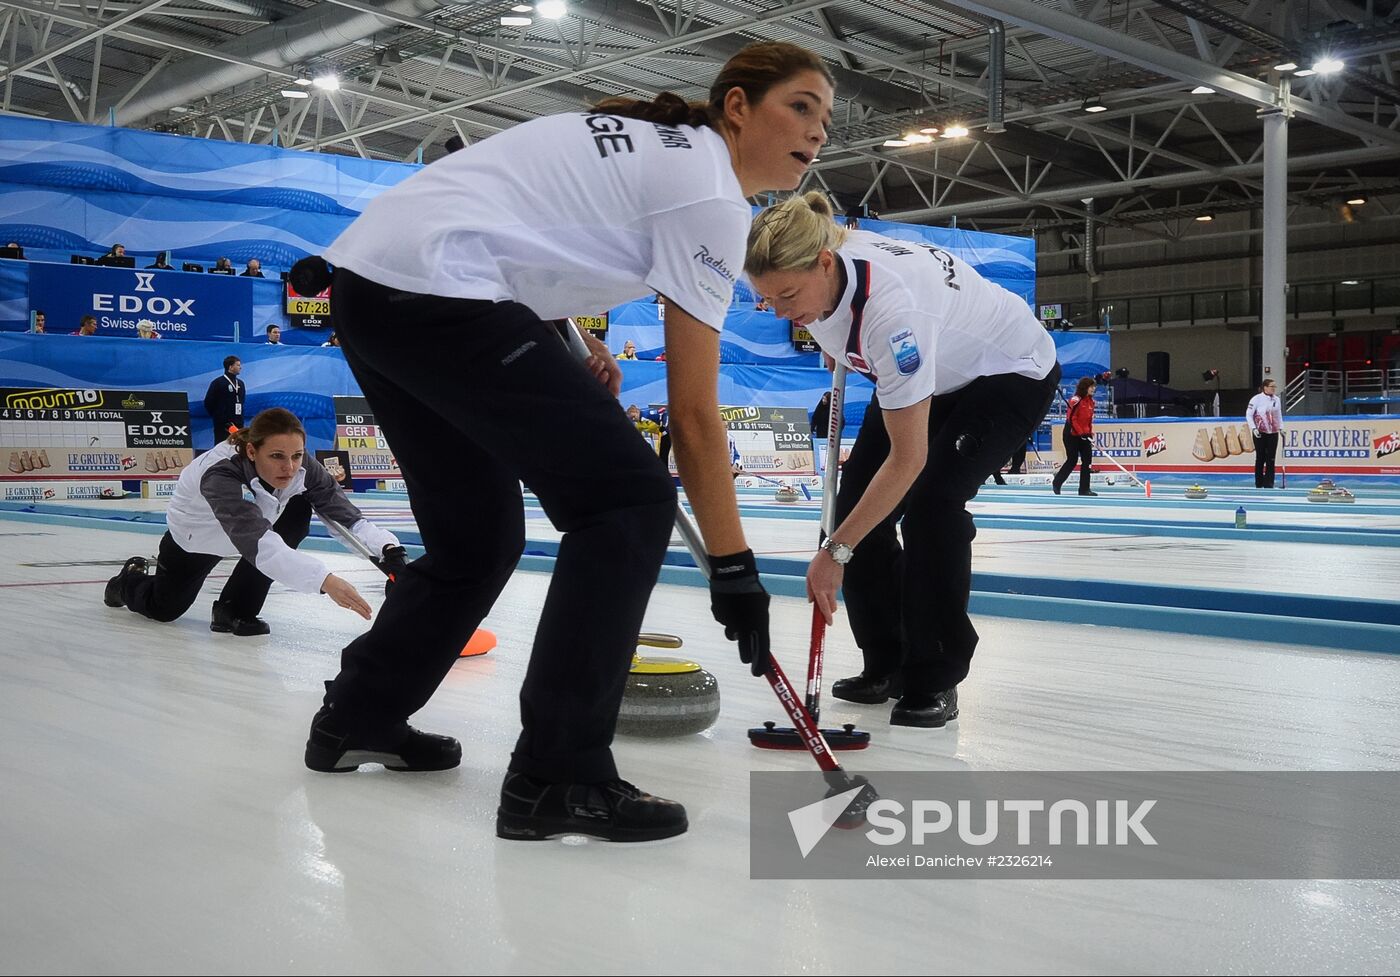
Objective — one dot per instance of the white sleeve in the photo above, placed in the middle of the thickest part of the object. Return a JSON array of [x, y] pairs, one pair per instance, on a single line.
[[697, 251], [1249, 413], [902, 362], [373, 537]]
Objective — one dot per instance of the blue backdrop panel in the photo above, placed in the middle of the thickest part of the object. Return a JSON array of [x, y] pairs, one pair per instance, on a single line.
[[182, 306], [1081, 354], [301, 380], [644, 383]]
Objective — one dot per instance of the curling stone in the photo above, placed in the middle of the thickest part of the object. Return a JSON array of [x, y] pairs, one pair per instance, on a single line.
[[667, 696], [1196, 492], [1340, 494], [1320, 494], [785, 493]]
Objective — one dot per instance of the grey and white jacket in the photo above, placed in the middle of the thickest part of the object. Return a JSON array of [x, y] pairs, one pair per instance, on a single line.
[[222, 508]]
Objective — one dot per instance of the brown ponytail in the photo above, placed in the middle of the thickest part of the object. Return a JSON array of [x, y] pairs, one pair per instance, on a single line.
[[667, 109], [269, 423]]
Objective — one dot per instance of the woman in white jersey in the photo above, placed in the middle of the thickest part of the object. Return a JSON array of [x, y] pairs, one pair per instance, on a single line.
[[963, 373], [444, 289], [1264, 415]]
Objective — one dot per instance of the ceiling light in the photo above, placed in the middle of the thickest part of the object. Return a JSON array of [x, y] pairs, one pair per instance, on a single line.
[[328, 82], [1304, 72], [1357, 201], [917, 137], [303, 80], [1203, 90], [522, 8], [1094, 105], [516, 22], [179, 108], [295, 93], [930, 130], [1286, 66], [954, 132], [1351, 281], [1328, 65], [551, 9], [1205, 218], [897, 143]]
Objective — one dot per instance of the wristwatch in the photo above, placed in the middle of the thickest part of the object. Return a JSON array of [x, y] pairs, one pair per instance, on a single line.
[[840, 553]]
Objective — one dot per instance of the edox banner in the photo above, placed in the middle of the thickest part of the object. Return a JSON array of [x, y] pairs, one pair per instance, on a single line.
[[182, 305]]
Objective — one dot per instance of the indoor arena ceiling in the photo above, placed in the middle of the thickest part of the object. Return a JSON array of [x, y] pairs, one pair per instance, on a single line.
[[1020, 75]]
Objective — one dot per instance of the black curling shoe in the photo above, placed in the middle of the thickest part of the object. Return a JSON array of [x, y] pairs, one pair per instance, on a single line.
[[223, 621], [865, 689], [328, 750], [613, 810], [927, 709], [113, 595]]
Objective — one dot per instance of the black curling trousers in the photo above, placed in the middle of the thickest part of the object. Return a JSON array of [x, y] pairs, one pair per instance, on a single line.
[[179, 576], [908, 604], [1079, 449], [475, 397]]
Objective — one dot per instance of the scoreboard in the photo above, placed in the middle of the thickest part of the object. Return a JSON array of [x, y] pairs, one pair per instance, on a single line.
[[60, 433], [357, 434], [770, 440]]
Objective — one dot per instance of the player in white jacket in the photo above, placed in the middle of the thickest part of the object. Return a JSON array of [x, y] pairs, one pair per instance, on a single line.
[[963, 373], [251, 496]]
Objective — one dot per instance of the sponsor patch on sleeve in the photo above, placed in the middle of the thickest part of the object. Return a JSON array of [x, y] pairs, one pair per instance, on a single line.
[[906, 352]]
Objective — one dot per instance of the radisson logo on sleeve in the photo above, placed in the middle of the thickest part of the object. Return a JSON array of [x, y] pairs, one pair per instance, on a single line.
[[715, 265]]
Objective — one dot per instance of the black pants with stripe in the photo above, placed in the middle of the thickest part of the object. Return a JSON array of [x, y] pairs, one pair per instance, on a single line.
[[908, 604], [169, 592], [476, 397], [1078, 450], [1265, 451]]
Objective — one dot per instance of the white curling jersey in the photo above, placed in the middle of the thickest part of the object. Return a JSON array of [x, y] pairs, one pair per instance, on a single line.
[[919, 322], [567, 214]]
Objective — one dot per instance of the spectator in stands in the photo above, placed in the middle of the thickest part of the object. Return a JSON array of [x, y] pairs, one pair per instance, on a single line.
[[222, 267], [162, 261], [253, 269], [1078, 437], [224, 400], [629, 351], [40, 321], [1265, 418], [118, 251], [88, 326], [146, 329], [333, 341], [16, 252], [274, 335], [252, 497]]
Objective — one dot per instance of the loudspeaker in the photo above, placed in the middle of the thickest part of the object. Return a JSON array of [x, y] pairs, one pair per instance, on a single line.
[[1159, 367]]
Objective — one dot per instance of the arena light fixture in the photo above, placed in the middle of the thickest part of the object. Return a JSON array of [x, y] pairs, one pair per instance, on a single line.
[[1286, 66], [955, 132], [327, 81], [1205, 218], [516, 21], [552, 9], [1203, 90], [897, 143], [1328, 65], [916, 137], [1356, 201], [303, 81], [295, 93], [1304, 72], [521, 8], [1094, 105], [930, 130]]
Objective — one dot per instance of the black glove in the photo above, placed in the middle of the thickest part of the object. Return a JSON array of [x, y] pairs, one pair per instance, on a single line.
[[739, 602], [392, 562]]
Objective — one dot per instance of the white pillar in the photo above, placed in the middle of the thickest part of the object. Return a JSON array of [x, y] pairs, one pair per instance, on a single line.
[[1275, 270]]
